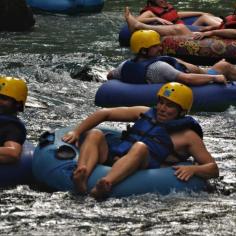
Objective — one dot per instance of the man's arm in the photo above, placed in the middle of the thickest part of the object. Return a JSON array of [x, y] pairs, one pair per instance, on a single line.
[[163, 72], [148, 17], [183, 14], [127, 114], [223, 33], [200, 79], [207, 167], [10, 152], [115, 73]]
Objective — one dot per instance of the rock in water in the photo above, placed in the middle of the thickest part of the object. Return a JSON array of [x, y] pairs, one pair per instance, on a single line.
[[15, 15]]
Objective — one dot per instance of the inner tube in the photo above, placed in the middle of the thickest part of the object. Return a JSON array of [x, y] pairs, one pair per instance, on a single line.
[[55, 160], [19, 173], [124, 34], [66, 6], [210, 97], [201, 52]]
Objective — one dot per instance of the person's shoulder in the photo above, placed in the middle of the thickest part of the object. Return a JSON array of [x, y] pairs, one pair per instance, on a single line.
[[15, 125], [190, 136]]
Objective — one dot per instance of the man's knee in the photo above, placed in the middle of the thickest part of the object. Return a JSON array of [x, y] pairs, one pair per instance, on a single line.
[[95, 135], [222, 66], [180, 29], [140, 148], [206, 15]]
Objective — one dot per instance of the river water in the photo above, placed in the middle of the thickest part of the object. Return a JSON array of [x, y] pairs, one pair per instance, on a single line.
[[64, 60]]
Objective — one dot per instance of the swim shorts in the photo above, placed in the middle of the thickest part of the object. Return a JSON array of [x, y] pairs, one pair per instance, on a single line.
[[213, 72]]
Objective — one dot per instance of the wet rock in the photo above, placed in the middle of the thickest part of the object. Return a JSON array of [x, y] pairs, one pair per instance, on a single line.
[[84, 73], [15, 15], [219, 186]]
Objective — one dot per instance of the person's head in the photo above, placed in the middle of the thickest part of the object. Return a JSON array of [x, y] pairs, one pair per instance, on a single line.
[[229, 22], [13, 95], [174, 101], [160, 3], [145, 43]]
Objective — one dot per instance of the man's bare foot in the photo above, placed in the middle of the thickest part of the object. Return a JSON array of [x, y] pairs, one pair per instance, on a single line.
[[80, 179], [132, 22], [101, 190]]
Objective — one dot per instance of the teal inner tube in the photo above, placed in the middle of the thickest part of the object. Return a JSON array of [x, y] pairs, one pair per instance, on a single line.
[[54, 162]]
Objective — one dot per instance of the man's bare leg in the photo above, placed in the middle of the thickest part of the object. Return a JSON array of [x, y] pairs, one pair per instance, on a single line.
[[80, 177], [208, 19], [191, 67], [163, 30], [102, 188], [135, 159], [94, 150]]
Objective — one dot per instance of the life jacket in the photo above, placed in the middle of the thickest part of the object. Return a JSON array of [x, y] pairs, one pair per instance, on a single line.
[[167, 13], [14, 119], [155, 135], [229, 22], [135, 72]]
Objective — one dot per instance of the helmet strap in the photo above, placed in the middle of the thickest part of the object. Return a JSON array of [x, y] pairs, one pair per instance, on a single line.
[[20, 106], [182, 113], [143, 52]]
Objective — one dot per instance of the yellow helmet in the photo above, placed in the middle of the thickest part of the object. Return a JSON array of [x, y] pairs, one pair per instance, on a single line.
[[14, 88], [144, 39], [177, 93]]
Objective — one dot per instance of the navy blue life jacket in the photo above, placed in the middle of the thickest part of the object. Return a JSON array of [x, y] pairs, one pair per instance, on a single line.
[[155, 135], [15, 119], [135, 72]]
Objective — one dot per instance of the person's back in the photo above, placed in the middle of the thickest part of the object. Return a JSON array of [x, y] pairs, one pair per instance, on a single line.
[[229, 22], [164, 13], [15, 15], [162, 9], [147, 67]]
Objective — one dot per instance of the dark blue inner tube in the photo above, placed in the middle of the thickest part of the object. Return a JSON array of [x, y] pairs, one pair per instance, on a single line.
[[211, 97], [20, 172]]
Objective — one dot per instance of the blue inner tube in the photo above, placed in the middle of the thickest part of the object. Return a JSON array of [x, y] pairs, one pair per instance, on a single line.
[[211, 97], [67, 6], [54, 162], [20, 172]]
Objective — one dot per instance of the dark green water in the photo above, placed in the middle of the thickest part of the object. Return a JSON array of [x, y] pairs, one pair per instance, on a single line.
[[55, 59]]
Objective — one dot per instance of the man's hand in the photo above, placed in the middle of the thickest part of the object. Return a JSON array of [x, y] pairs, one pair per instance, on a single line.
[[201, 35], [207, 28], [164, 22], [220, 79], [184, 173], [110, 75], [71, 137]]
